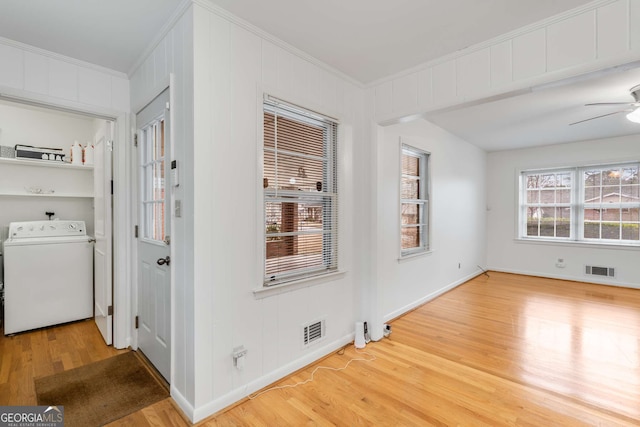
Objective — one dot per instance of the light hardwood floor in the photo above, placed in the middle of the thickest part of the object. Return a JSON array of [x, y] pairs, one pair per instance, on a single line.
[[499, 351]]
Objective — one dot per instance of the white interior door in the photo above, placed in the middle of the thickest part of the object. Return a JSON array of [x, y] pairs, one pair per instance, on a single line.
[[103, 283], [154, 274]]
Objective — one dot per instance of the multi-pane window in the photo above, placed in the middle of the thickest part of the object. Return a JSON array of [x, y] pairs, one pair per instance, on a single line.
[[414, 201], [590, 204], [300, 193], [153, 182], [611, 203], [547, 204]]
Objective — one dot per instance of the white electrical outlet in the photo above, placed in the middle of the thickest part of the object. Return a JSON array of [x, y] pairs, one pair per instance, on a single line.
[[239, 354]]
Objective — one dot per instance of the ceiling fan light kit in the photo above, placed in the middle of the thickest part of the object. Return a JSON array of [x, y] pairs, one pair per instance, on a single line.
[[633, 110], [634, 116]]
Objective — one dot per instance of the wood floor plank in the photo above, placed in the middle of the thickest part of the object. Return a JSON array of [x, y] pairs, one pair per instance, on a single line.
[[502, 350]]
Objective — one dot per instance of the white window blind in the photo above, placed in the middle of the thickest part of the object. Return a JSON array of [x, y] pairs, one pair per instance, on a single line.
[[300, 193]]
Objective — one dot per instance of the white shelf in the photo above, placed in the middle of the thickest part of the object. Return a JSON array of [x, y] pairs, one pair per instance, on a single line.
[[60, 195], [43, 163]]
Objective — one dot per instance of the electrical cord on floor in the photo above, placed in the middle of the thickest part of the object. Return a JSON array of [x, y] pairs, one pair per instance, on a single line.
[[484, 271], [340, 352]]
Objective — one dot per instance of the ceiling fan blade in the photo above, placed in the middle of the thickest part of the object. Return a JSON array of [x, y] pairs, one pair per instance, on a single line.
[[603, 115], [609, 103]]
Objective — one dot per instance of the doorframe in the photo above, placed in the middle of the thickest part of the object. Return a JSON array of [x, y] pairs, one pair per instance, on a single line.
[[168, 83], [122, 219]]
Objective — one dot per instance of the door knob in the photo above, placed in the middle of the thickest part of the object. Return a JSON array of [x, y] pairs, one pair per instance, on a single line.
[[163, 261]]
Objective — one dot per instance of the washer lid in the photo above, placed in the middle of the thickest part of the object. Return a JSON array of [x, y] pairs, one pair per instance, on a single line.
[[40, 229]]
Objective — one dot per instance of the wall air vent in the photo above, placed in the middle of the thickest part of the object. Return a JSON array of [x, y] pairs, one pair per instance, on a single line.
[[313, 332], [592, 270]]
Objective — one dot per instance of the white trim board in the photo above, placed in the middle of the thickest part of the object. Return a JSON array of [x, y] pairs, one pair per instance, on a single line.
[[407, 308], [594, 5], [210, 408], [59, 57], [584, 279]]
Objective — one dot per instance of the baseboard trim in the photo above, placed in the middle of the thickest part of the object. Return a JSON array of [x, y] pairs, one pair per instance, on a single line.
[[219, 404], [182, 403], [583, 279], [412, 306]]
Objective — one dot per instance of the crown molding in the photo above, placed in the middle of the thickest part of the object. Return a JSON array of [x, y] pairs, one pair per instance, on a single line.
[[225, 14], [592, 6], [52, 55]]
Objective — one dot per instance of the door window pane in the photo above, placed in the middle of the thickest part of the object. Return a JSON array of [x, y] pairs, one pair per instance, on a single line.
[[153, 181]]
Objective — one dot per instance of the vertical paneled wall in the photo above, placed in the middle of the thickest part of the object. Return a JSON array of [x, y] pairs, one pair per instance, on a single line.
[[174, 54], [234, 66], [600, 35], [47, 77], [221, 70]]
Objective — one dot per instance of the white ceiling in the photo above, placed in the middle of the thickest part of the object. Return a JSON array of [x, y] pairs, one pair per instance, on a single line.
[[371, 39], [110, 33], [543, 116], [365, 39]]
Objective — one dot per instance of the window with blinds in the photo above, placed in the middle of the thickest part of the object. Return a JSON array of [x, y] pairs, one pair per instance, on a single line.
[[300, 193], [414, 201]]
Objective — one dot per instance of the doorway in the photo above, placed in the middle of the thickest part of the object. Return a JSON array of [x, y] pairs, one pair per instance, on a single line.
[[74, 191]]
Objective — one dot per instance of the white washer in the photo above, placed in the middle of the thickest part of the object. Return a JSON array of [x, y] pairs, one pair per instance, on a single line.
[[48, 274]]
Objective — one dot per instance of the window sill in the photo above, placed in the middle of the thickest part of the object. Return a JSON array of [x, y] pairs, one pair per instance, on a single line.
[[574, 243], [268, 291], [413, 256]]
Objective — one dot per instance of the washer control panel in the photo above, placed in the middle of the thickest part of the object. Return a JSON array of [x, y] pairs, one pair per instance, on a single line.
[[55, 228]]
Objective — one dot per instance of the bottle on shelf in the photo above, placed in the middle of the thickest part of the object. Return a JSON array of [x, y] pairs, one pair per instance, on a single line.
[[88, 154], [76, 154]]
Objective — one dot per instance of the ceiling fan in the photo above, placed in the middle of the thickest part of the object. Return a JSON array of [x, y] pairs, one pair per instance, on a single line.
[[633, 110]]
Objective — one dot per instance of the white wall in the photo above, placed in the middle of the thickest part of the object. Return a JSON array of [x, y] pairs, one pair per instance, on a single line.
[[234, 66], [505, 253], [457, 217]]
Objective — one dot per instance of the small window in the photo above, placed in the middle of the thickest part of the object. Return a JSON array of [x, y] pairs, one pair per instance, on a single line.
[[414, 201], [300, 193]]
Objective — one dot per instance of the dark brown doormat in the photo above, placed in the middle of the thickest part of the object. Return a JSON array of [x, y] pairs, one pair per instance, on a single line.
[[101, 392]]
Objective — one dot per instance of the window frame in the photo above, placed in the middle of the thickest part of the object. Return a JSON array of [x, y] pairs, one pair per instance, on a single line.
[[328, 196], [524, 204], [424, 189], [148, 164], [578, 205]]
